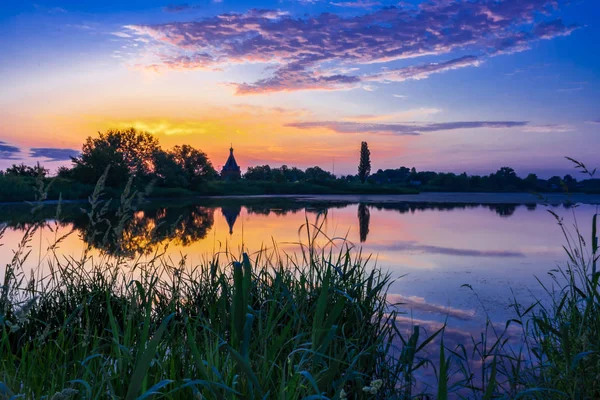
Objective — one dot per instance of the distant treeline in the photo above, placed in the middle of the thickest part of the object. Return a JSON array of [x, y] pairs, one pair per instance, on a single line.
[[186, 171], [503, 180]]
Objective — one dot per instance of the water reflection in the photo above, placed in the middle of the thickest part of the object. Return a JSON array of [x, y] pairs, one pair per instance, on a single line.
[[502, 210], [364, 219], [154, 224], [231, 214], [141, 232]]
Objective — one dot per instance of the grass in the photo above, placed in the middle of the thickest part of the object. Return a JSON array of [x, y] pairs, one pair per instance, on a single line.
[[308, 325]]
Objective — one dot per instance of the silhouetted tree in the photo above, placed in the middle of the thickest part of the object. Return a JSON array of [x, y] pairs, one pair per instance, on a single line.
[[27, 171], [316, 174], [168, 172], [364, 167], [569, 182], [64, 172], [128, 152], [555, 183], [194, 163], [258, 173], [530, 182]]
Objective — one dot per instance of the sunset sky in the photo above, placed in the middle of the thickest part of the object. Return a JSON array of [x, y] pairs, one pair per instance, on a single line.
[[445, 85]]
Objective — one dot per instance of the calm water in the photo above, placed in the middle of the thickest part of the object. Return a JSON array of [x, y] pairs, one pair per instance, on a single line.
[[433, 249]]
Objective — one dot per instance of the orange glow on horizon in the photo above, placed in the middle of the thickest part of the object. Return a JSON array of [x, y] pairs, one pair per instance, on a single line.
[[259, 135]]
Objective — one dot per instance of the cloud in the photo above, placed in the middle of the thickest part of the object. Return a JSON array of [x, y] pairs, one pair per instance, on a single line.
[[8, 152], [177, 8], [305, 53], [401, 115], [594, 122], [356, 4], [548, 128], [123, 35], [419, 304], [423, 71], [295, 77], [53, 154], [401, 129], [400, 96]]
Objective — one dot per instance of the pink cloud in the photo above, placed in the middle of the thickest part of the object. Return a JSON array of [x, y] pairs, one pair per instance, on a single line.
[[303, 48]]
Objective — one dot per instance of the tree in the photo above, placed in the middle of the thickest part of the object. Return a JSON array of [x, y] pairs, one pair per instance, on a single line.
[[505, 179], [196, 166], [127, 152], [317, 174], [23, 170], [168, 172], [531, 182], [64, 172], [364, 167], [258, 173], [570, 182], [183, 166]]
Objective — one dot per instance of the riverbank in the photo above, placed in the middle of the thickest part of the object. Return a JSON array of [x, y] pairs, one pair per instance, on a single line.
[[21, 189], [348, 198], [438, 197]]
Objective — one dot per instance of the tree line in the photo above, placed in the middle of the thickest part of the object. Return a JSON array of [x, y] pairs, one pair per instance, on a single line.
[[133, 154]]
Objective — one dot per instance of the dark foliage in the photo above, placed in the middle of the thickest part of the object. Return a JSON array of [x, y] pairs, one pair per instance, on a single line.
[[364, 167]]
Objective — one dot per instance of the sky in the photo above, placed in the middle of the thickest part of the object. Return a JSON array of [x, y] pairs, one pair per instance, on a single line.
[[442, 85]]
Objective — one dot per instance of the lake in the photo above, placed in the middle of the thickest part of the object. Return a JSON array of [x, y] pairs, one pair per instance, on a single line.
[[432, 244]]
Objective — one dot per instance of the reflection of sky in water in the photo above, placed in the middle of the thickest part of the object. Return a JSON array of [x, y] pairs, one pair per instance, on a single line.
[[431, 252]]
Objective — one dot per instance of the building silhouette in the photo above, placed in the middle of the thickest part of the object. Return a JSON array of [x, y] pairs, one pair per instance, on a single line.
[[231, 170]]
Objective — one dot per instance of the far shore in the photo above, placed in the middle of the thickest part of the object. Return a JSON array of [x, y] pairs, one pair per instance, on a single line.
[[425, 197], [440, 197]]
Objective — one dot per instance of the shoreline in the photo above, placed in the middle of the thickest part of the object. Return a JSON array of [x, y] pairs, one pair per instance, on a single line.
[[437, 197], [424, 197]]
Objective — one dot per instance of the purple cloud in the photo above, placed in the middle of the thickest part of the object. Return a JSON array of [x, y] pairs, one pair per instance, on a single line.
[[423, 71], [356, 4], [296, 77], [53, 154], [8, 152], [402, 129], [177, 8], [303, 52]]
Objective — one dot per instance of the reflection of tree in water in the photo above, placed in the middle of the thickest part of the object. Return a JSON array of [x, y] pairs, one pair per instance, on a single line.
[[184, 224], [503, 210], [364, 218], [294, 207], [231, 213], [144, 230]]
